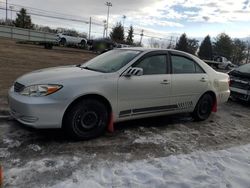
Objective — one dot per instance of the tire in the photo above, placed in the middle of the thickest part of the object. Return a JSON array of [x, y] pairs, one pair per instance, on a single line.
[[203, 108], [83, 44], [63, 42], [87, 119]]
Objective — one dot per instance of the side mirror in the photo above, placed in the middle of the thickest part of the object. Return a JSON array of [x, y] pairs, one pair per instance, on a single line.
[[134, 71]]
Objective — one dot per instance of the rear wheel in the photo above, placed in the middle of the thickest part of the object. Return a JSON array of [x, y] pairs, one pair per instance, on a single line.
[[83, 44], [63, 42], [203, 108], [86, 119]]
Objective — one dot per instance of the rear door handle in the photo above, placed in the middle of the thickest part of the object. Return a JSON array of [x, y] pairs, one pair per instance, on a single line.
[[203, 79], [165, 82]]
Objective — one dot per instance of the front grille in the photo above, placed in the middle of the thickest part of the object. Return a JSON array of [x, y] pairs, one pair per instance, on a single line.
[[240, 85], [18, 87], [240, 96]]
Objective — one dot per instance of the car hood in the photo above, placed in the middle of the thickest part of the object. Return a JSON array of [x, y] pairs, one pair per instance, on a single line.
[[55, 75], [239, 74]]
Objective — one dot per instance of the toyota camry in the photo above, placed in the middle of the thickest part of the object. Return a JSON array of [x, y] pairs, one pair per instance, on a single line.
[[122, 84]]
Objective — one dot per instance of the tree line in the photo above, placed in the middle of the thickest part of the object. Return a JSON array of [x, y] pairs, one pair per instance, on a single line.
[[234, 50], [23, 20]]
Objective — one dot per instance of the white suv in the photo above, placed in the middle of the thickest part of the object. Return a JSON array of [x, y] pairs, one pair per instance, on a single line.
[[67, 39]]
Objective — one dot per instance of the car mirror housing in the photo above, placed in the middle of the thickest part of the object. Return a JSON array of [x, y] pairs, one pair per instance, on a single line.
[[134, 71]]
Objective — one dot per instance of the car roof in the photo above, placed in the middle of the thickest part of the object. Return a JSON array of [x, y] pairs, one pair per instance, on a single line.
[[155, 49]]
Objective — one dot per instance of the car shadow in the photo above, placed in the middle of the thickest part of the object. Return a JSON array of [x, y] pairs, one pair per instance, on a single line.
[[158, 121], [29, 134]]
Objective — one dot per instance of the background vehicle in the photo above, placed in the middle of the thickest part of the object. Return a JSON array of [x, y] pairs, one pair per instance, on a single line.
[[119, 85], [68, 39], [101, 45], [240, 82], [221, 62], [29, 36]]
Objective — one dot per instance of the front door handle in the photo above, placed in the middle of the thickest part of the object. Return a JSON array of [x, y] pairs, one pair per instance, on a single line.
[[165, 82], [203, 79]]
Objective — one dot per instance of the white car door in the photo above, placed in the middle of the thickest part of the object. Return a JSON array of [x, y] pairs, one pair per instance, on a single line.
[[189, 82], [149, 93]]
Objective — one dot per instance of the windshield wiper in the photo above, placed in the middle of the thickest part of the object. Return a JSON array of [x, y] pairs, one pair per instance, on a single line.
[[88, 68]]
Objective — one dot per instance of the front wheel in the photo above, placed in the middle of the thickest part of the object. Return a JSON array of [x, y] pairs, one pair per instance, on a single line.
[[203, 108], [86, 119]]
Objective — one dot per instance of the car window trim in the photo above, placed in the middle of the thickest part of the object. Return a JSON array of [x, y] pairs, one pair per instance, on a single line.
[[180, 55]]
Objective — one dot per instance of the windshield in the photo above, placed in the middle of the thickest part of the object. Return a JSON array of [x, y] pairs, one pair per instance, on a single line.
[[244, 68], [111, 61]]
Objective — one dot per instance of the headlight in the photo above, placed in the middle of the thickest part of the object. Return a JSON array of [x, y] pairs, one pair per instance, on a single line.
[[40, 90]]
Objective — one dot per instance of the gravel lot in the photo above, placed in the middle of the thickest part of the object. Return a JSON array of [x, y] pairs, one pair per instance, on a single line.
[[42, 158]]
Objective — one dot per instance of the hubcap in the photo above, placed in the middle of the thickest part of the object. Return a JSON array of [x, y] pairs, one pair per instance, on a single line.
[[204, 108], [87, 120]]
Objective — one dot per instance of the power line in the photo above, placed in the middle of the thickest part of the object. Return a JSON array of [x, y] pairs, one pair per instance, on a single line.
[[57, 17], [41, 13], [41, 10]]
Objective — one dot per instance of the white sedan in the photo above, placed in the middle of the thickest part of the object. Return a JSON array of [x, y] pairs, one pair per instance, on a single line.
[[119, 85]]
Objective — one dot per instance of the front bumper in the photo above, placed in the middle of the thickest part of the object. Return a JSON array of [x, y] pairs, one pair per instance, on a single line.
[[36, 112], [240, 94]]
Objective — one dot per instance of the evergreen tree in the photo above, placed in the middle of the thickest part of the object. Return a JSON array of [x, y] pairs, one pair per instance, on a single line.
[[193, 46], [239, 49], [130, 36], [117, 33], [187, 45], [223, 46], [23, 20], [182, 44], [206, 50]]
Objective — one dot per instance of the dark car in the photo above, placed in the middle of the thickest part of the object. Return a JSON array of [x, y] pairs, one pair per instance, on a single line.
[[101, 45], [240, 82]]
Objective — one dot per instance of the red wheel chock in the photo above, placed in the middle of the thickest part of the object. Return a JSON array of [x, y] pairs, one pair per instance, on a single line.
[[111, 123]]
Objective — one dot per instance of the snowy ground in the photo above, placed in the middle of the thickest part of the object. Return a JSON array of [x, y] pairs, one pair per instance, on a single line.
[[157, 152], [225, 168]]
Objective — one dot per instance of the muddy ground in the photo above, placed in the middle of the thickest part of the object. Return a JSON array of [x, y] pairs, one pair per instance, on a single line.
[[37, 158]]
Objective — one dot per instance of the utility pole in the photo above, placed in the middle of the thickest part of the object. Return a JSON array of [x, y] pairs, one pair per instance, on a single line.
[[104, 29], [11, 9], [108, 4], [141, 36], [6, 11], [90, 22], [170, 43], [124, 17]]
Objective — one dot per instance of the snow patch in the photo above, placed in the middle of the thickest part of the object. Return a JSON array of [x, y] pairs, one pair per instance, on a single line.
[[15, 176], [11, 143], [34, 147], [4, 153], [157, 139], [224, 168]]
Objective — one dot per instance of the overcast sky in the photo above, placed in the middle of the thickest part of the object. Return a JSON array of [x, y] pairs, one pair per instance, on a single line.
[[162, 18]]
